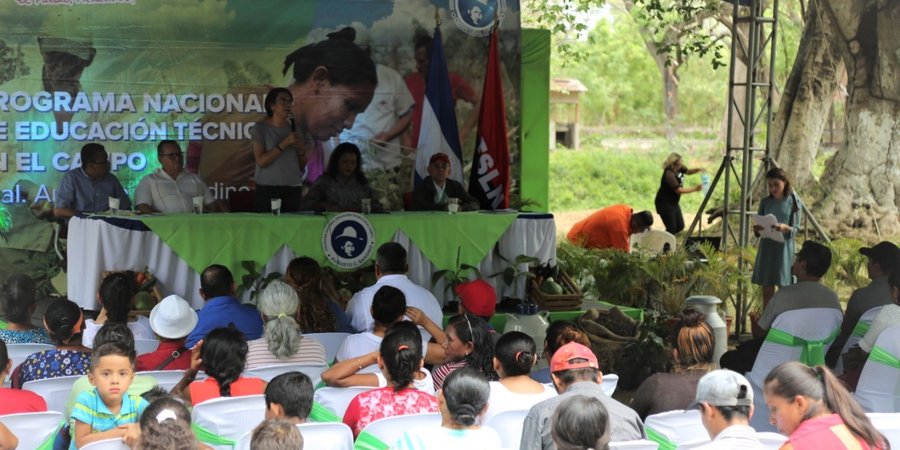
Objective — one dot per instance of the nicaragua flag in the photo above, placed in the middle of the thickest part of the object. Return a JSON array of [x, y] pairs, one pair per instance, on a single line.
[[489, 180], [438, 132]]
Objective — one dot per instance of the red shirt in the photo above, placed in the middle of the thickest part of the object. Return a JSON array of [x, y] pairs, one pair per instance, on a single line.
[[379, 403], [209, 388], [150, 361], [15, 401], [415, 82], [827, 432], [608, 228]]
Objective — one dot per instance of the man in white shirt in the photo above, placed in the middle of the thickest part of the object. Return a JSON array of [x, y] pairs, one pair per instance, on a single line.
[[725, 399], [391, 268], [171, 189]]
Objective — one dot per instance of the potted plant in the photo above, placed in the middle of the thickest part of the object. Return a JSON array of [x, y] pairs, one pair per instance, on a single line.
[[453, 278]]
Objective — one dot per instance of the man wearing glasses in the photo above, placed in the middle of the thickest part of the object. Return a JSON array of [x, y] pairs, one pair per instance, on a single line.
[[88, 188], [171, 189]]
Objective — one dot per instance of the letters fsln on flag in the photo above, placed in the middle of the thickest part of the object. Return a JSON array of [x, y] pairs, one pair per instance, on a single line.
[[489, 180]]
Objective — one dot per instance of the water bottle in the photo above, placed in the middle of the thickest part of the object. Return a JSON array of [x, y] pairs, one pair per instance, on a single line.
[[704, 178]]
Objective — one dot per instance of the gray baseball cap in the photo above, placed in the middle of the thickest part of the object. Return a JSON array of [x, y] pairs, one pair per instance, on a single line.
[[723, 388]]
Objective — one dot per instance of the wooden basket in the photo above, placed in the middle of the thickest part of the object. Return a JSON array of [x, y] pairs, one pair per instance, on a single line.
[[562, 302]]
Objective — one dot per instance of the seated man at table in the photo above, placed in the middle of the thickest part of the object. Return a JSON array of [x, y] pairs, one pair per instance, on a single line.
[[610, 227], [222, 308], [171, 189], [88, 188], [436, 190]]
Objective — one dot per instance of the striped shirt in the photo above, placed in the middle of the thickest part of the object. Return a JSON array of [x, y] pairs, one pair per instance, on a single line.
[[90, 409], [310, 352]]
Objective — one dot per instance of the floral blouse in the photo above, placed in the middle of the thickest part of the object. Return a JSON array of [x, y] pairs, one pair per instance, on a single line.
[[384, 402], [51, 364], [35, 336]]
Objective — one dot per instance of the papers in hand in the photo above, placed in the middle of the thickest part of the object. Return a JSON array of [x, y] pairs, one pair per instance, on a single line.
[[768, 224]]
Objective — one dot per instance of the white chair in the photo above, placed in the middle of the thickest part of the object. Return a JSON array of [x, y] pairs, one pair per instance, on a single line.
[[54, 390], [609, 383], [18, 352], [673, 428], [314, 372], [508, 425], [33, 429], [642, 444], [889, 425], [878, 389], [331, 436], [390, 429], [336, 400], [221, 422], [143, 346], [107, 444], [771, 440], [166, 379], [331, 341], [858, 332], [652, 241]]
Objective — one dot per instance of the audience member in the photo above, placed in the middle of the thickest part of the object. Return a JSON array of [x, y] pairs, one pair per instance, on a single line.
[[692, 349], [855, 358], [815, 411], [725, 400], [318, 313], [64, 321], [282, 341], [343, 186], [436, 190], [108, 411], [118, 333], [390, 269], [8, 440], [809, 267], [462, 403], [166, 425], [610, 227], [276, 434], [559, 333], [115, 296], [15, 401], [222, 355], [575, 371], [388, 307], [580, 423], [467, 344], [17, 296], [222, 307], [514, 355], [289, 396], [477, 297], [171, 189], [89, 188], [773, 258], [881, 260], [172, 320], [400, 359]]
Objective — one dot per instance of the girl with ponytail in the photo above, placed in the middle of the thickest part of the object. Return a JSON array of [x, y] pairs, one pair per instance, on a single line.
[[515, 354], [64, 323], [222, 354], [282, 341], [463, 401], [116, 294], [400, 360], [814, 409]]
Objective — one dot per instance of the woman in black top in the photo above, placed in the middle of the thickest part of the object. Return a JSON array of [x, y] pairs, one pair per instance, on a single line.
[[670, 190]]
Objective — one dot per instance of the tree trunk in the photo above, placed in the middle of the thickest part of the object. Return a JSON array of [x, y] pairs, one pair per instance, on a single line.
[[862, 195]]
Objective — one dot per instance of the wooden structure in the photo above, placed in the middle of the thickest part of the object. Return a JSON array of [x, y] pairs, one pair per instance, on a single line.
[[565, 116]]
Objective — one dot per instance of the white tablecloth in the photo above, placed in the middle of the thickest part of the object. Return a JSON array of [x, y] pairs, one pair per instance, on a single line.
[[95, 246]]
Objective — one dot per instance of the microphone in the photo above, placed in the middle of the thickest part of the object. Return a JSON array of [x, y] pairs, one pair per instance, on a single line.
[[293, 123]]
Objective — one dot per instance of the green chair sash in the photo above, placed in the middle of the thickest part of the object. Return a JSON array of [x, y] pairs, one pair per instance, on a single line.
[[208, 437], [3, 325], [320, 413], [882, 356], [812, 352], [367, 441], [664, 442], [48, 443], [861, 328]]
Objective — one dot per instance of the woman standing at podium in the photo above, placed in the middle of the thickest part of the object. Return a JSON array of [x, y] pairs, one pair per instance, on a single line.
[[279, 155]]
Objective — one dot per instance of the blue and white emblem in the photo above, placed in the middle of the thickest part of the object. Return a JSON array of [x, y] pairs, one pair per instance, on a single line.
[[348, 240], [476, 17]]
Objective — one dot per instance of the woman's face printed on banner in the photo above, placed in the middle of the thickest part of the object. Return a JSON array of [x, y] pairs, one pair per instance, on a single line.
[[332, 107]]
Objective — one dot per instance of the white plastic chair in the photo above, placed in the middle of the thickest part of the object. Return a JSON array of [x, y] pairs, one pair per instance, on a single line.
[[652, 242], [227, 419], [642, 444], [33, 429], [673, 428], [390, 429], [143, 346], [508, 425], [331, 341], [18, 352], [878, 389], [55, 391], [858, 332], [889, 425], [166, 379], [314, 372], [771, 440], [609, 383], [107, 444], [336, 400]]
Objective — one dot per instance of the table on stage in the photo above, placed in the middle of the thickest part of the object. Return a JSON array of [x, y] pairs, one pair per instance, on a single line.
[[176, 248]]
